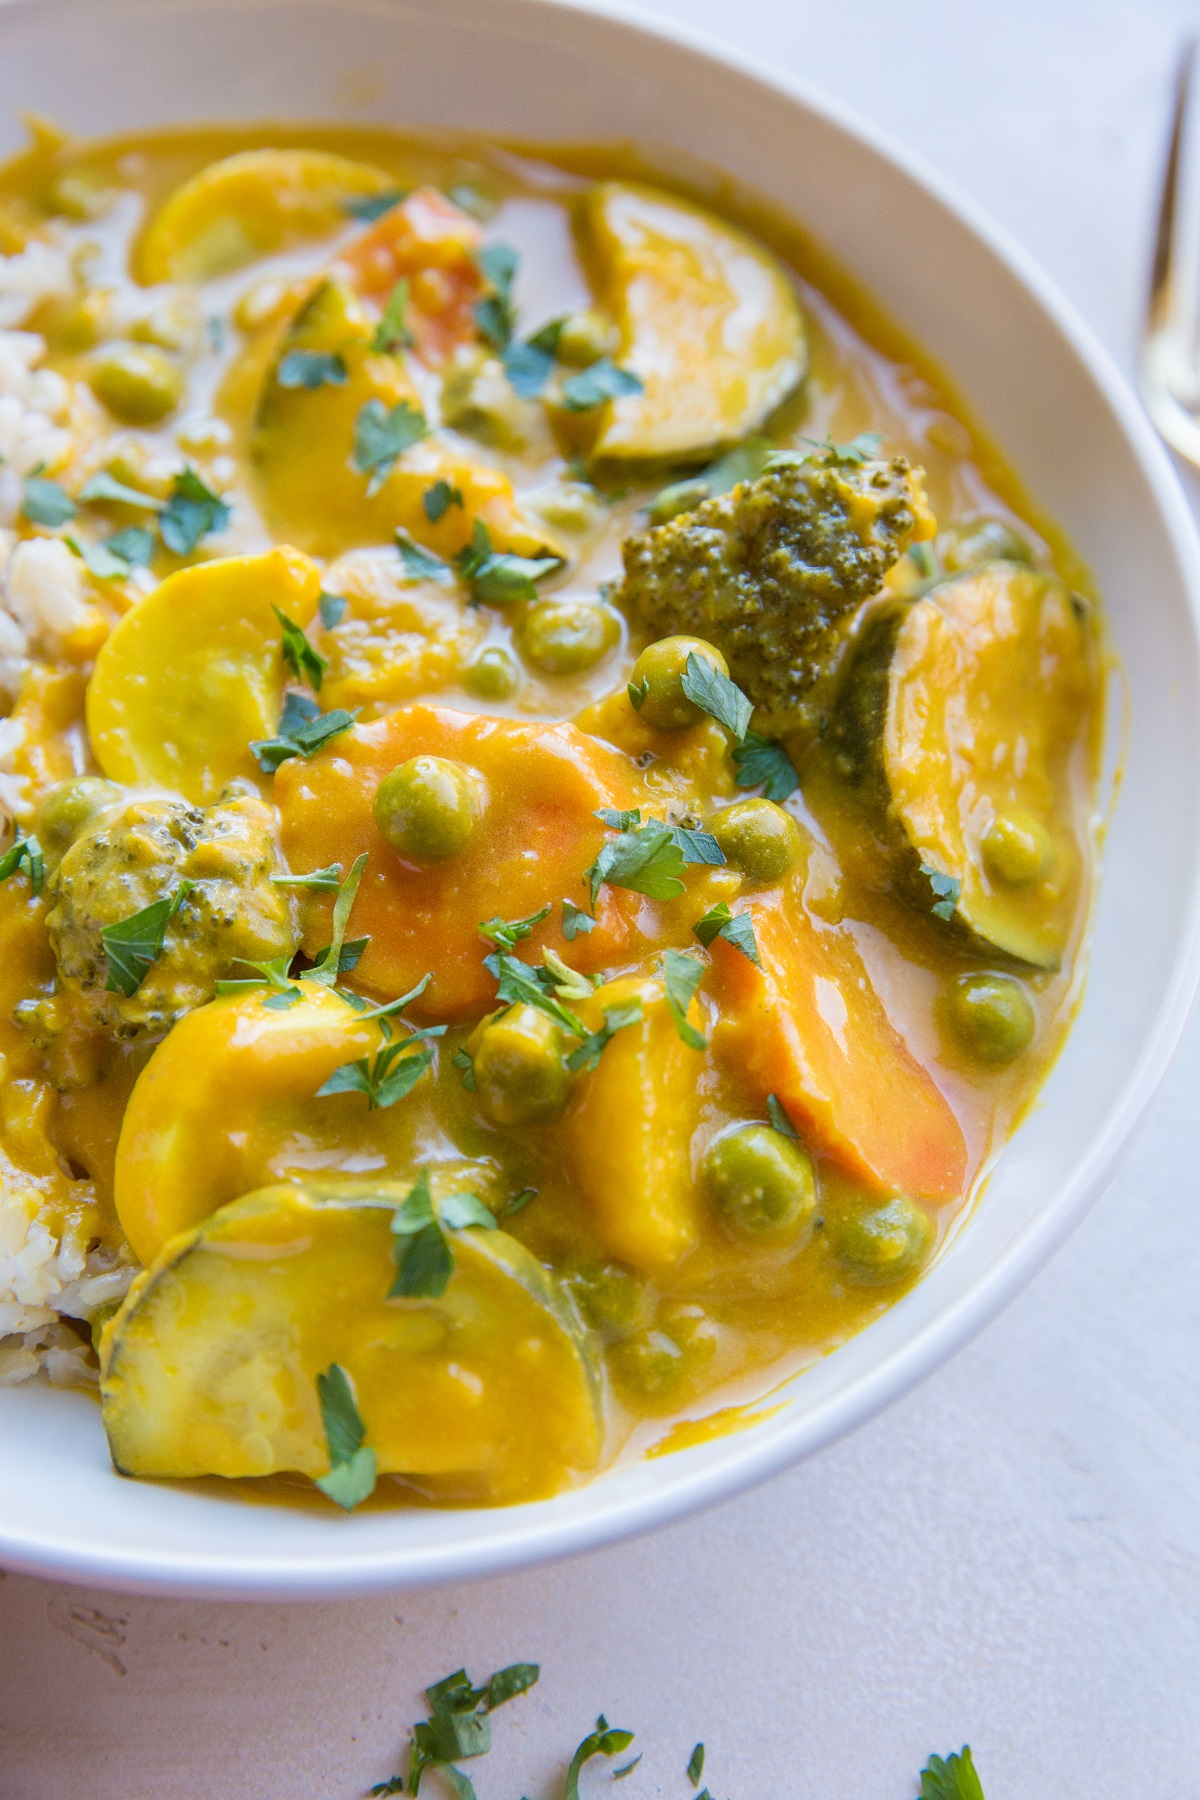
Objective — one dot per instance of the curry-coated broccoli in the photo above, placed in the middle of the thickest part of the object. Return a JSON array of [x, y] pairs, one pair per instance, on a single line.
[[773, 572], [134, 853]]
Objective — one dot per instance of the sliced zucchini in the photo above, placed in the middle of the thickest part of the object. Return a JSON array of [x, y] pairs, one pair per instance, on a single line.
[[194, 673], [628, 1134], [960, 722], [209, 1367], [228, 1103], [251, 205], [709, 324], [305, 439]]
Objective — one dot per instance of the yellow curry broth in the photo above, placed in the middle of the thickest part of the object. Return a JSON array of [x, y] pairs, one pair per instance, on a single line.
[[677, 1308]]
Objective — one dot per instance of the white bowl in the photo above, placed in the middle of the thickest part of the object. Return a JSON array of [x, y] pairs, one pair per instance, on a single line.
[[1027, 368]]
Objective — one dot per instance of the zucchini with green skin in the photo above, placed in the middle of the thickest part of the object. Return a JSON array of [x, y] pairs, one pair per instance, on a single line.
[[957, 722], [210, 1366]]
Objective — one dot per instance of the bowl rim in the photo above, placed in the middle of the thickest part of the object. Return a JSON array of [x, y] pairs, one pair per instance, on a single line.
[[753, 1456]]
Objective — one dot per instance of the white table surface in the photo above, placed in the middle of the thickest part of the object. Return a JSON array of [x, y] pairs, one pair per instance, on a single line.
[[1010, 1556]]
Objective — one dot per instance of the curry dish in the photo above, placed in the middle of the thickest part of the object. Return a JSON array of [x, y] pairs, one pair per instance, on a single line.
[[549, 786]]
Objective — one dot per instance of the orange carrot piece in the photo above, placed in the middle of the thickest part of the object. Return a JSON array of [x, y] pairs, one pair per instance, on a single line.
[[432, 244], [809, 1028], [536, 837]]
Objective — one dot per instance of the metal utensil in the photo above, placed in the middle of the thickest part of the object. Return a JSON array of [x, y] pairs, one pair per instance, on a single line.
[[1170, 361]]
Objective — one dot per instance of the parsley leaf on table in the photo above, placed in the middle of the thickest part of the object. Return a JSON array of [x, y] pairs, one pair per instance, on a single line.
[[695, 1768], [606, 1740], [954, 1778]]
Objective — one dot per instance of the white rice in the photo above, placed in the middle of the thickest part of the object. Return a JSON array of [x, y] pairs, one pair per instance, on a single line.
[[35, 406], [39, 272], [44, 1275]]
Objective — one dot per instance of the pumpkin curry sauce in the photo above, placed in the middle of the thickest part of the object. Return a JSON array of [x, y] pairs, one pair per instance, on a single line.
[[549, 791]]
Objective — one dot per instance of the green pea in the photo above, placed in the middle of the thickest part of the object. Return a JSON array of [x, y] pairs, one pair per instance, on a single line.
[[427, 808], [492, 675], [610, 1298], [992, 1016], [68, 808], [79, 324], [521, 1074], [881, 1243], [653, 1365], [761, 1183], [658, 679], [586, 337], [680, 497], [565, 637], [572, 506], [75, 194], [759, 839], [977, 544], [138, 384], [1016, 848]]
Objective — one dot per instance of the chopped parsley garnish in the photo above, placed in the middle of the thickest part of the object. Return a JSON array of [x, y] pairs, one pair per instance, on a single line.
[[519, 1200], [606, 1740], [496, 315], [303, 730], [369, 207], [464, 1063], [438, 500], [546, 337], [946, 889], [328, 965], [507, 933], [951, 1778], [305, 663], [588, 1055], [275, 975], [736, 928], [603, 381], [312, 369], [133, 945], [325, 880], [761, 760], [711, 690], [105, 487], [471, 201], [627, 1768], [859, 450], [332, 608], [351, 1477], [420, 564], [134, 546], [391, 334], [100, 560], [499, 578], [569, 983], [25, 850], [698, 846], [382, 435], [682, 975], [695, 1768], [575, 921], [779, 1118], [645, 858], [528, 369], [46, 502], [424, 1260], [191, 513], [519, 985], [390, 1075]]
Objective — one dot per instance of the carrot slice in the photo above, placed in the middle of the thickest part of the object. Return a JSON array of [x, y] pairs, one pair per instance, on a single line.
[[809, 1028], [432, 244], [536, 836]]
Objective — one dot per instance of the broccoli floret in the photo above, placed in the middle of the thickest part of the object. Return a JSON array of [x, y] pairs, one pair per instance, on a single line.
[[134, 854], [773, 572]]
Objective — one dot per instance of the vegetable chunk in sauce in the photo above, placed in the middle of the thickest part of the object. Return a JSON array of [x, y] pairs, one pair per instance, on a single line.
[[546, 783]]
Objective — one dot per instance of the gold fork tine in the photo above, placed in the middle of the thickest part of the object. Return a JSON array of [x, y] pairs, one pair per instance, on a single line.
[[1170, 361]]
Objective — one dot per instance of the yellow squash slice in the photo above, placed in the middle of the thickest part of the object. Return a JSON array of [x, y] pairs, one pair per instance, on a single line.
[[961, 717], [304, 442], [250, 205], [210, 1366], [628, 1134], [195, 672], [228, 1103], [708, 319]]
